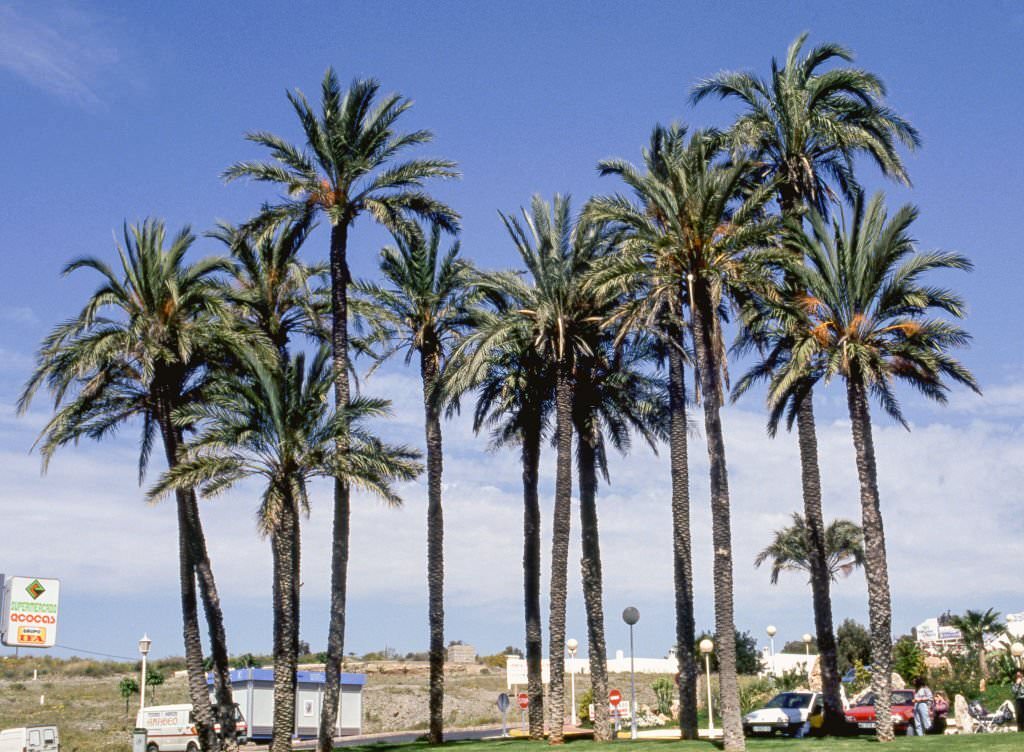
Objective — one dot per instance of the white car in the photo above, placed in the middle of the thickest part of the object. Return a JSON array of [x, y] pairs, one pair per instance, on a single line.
[[786, 713]]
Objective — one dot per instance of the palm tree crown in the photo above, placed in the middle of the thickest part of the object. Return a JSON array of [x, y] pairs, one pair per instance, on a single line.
[[805, 125], [865, 312], [276, 423], [844, 546], [344, 169]]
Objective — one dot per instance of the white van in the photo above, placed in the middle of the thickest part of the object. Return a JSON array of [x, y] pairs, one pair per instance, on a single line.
[[172, 728], [30, 739]]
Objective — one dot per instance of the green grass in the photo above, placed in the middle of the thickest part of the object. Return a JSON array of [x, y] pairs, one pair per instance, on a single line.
[[995, 742]]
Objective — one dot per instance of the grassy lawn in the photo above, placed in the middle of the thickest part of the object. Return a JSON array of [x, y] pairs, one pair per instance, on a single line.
[[996, 742]]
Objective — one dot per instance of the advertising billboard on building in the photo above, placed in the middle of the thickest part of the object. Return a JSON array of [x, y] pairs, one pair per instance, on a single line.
[[30, 609]]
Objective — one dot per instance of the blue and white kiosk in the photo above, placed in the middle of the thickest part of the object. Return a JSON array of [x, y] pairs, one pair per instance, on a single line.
[[253, 690]]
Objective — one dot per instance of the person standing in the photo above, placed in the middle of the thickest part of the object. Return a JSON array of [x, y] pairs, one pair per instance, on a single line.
[[1018, 699], [923, 700]]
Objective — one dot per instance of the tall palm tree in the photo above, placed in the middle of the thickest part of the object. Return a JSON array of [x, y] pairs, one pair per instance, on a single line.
[[698, 219], [649, 276], [515, 393], [272, 421], [844, 548], [804, 126], [141, 347], [974, 625], [557, 252], [423, 308], [346, 168], [863, 314]]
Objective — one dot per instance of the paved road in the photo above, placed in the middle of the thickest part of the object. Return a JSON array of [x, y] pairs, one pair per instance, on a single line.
[[402, 737]]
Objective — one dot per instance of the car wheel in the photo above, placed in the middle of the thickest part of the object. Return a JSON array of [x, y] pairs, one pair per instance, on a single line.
[[151, 747], [192, 747]]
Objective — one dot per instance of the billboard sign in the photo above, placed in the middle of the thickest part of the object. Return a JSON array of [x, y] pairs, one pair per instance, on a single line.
[[30, 608]]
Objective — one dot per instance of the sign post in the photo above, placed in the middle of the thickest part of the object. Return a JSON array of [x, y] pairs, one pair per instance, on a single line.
[[524, 702], [615, 697], [29, 616], [503, 703]]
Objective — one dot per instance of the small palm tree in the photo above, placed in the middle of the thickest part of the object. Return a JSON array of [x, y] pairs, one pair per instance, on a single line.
[[274, 422], [515, 393], [612, 397], [556, 312], [788, 551], [346, 169], [273, 291], [864, 316], [142, 347], [423, 308], [974, 626], [804, 127]]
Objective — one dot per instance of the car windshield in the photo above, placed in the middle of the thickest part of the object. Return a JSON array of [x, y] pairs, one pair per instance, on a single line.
[[790, 700], [899, 697]]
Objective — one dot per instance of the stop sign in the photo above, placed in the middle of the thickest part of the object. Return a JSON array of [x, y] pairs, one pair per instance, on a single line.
[[524, 700], [615, 697]]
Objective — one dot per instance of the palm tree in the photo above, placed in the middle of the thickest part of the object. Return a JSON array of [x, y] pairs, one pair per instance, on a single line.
[[346, 169], [788, 551], [272, 421], [650, 278], [273, 291], [611, 397], [804, 127], [554, 310], [141, 347], [974, 625], [515, 393], [698, 219], [423, 309], [863, 315]]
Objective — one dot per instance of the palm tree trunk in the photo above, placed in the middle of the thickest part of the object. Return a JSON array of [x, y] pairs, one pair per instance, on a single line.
[[285, 549], [435, 543], [560, 529], [817, 561], [721, 532], [342, 505], [875, 562], [682, 556], [197, 689], [531, 575], [189, 532], [224, 702], [592, 586]]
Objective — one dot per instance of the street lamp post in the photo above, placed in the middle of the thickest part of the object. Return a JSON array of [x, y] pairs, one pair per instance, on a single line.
[[771, 630], [572, 644], [706, 646], [807, 651], [631, 616], [144, 644]]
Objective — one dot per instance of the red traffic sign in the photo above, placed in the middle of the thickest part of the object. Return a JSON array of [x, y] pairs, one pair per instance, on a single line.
[[524, 700], [615, 697]]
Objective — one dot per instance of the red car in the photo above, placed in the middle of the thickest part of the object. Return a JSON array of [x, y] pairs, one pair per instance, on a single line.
[[861, 717]]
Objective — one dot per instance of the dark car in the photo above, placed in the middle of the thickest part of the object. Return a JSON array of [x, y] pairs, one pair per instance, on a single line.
[[861, 716]]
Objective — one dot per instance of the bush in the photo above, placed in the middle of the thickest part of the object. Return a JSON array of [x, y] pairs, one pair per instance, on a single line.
[[664, 688], [584, 703], [861, 679], [756, 693], [908, 659], [789, 680], [961, 678]]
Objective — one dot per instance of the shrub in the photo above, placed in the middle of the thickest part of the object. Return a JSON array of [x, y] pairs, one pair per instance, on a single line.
[[664, 688]]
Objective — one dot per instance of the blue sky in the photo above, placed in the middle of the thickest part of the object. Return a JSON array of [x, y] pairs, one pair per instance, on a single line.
[[117, 111]]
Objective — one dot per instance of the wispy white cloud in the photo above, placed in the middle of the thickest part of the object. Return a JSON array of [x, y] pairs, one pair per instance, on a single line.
[[57, 48]]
